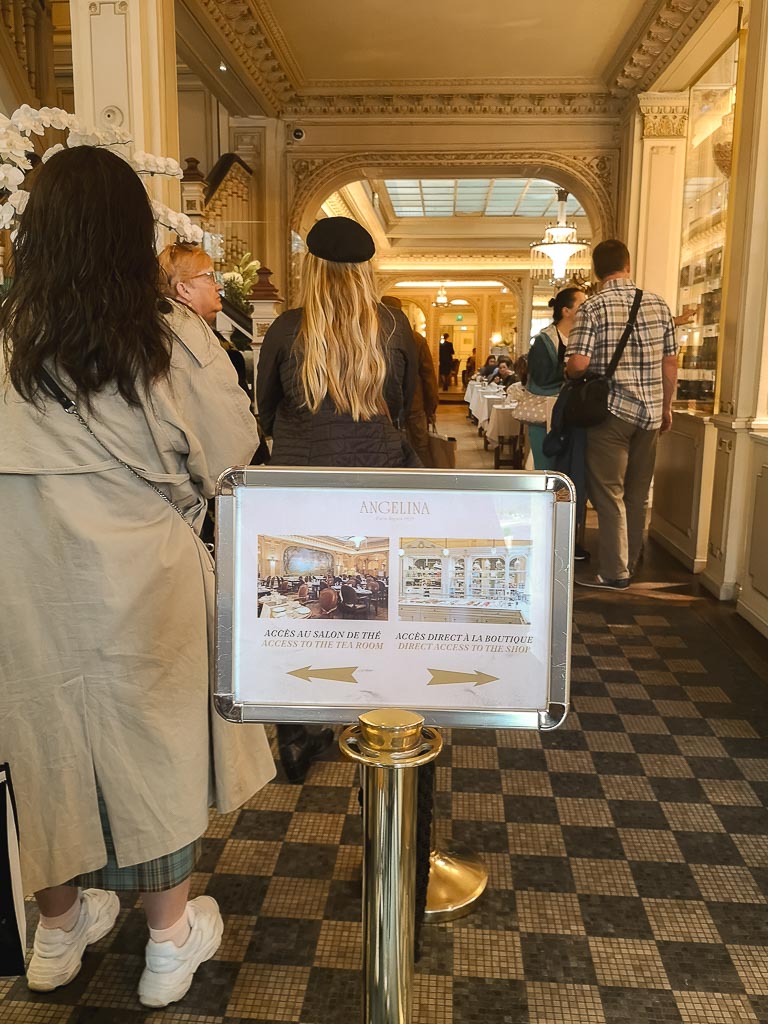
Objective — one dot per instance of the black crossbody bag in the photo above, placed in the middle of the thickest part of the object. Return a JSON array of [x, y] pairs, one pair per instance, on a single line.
[[585, 400]]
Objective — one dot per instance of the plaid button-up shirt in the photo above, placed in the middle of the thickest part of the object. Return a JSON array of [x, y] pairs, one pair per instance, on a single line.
[[636, 390]]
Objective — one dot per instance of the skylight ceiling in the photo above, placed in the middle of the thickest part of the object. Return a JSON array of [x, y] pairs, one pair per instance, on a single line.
[[477, 197]]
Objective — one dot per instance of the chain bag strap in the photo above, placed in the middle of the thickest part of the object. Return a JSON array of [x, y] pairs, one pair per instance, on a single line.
[[53, 388]]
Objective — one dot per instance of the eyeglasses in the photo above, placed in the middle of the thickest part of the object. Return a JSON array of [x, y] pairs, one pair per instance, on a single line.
[[213, 275]]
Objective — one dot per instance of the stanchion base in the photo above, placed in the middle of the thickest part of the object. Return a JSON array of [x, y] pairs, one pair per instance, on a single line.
[[455, 883]]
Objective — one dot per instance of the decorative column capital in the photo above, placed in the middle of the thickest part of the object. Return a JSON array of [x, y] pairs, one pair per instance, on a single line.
[[665, 114]]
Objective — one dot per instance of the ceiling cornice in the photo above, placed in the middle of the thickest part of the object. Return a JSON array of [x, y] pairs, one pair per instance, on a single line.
[[235, 21], [253, 32], [397, 103], [654, 41], [338, 206]]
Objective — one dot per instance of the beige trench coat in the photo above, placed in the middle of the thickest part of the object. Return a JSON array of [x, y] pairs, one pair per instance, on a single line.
[[106, 616]]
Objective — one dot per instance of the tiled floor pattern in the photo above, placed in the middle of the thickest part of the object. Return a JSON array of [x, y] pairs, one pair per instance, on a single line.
[[628, 858]]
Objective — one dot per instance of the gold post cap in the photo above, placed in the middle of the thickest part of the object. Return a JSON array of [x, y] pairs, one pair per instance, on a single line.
[[391, 730]]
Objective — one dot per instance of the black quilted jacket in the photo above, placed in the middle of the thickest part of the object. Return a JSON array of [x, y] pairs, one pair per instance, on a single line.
[[328, 438]]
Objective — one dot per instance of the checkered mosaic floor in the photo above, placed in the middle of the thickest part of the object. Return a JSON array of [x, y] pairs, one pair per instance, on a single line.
[[628, 859]]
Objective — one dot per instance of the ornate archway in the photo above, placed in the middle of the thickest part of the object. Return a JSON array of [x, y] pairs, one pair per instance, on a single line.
[[589, 177]]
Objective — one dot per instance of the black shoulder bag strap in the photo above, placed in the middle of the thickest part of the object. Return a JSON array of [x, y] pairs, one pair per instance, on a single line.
[[625, 336], [53, 388]]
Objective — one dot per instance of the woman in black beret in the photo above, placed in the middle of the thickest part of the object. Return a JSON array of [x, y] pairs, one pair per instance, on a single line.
[[336, 376], [334, 384]]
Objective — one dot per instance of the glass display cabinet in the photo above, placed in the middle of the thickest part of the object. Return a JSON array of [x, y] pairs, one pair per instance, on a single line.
[[708, 163]]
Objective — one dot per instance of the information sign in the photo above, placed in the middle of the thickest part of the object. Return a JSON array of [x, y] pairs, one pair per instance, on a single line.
[[445, 593]]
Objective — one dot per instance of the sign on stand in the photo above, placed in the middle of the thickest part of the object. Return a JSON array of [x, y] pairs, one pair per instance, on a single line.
[[446, 593]]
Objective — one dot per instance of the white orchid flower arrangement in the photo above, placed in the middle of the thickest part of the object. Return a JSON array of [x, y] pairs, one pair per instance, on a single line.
[[15, 145], [239, 281]]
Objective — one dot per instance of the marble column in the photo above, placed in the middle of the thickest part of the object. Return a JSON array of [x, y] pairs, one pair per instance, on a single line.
[[124, 70], [659, 177], [525, 317]]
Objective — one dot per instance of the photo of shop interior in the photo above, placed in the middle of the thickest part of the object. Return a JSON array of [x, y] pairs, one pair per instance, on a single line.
[[464, 580], [323, 577]]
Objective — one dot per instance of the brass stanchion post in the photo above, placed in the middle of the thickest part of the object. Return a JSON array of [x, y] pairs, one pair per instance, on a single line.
[[389, 744], [455, 884]]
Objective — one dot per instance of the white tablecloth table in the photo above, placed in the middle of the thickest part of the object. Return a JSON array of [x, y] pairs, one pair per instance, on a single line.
[[271, 609], [502, 423], [482, 403], [471, 389]]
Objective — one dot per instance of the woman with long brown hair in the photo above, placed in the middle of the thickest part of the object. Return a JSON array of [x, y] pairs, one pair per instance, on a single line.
[[107, 590]]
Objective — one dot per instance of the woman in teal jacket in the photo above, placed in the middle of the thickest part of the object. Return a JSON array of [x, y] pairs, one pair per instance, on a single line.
[[545, 363]]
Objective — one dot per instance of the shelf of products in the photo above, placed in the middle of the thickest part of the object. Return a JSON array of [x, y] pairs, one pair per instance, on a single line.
[[488, 577], [423, 576], [707, 177], [456, 581], [463, 584]]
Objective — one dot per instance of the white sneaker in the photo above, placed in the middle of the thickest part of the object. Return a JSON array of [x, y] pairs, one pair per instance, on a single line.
[[170, 968], [57, 955]]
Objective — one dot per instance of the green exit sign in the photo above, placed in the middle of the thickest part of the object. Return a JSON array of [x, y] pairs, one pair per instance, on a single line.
[[459, 316]]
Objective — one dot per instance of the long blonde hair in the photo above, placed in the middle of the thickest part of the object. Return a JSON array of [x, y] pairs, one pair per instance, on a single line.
[[339, 339]]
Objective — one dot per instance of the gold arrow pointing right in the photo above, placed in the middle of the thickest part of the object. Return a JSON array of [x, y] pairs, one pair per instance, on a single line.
[[441, 677]]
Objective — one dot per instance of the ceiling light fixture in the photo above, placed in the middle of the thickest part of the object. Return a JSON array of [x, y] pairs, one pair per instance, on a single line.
[[222, 65], [559, 244], [441, 300]]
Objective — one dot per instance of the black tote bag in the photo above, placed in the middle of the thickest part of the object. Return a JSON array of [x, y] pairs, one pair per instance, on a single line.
[[13, 927]]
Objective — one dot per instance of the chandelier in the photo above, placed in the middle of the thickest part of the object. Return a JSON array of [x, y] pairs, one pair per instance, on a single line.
[[441, 299], [559, 245]]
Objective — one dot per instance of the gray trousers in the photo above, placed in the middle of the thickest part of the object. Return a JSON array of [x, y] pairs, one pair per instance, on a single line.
[[620, 460]]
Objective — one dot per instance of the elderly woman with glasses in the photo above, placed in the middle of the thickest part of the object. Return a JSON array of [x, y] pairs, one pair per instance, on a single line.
[[189, 278]]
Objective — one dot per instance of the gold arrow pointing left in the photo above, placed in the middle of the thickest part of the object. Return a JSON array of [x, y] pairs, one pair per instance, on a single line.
[[338, 675]]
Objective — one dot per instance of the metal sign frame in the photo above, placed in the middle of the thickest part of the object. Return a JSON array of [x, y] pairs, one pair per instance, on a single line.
[[405, 480]]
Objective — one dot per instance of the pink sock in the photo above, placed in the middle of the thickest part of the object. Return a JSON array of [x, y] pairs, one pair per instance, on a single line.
[[66, 921], [177, 934]]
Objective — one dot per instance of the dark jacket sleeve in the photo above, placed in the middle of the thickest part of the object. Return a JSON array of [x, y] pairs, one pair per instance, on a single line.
[[411, 354], [269, 387], [402, 360], [427, 375]]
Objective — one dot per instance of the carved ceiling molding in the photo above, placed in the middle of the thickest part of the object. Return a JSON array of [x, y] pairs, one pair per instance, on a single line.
[[464, 104], [665, 114], [253, 31], [655, 43], [278, 42], [591, 177], [411, 263], [339, 207], [389, 279], [241, 29], [451, 85]]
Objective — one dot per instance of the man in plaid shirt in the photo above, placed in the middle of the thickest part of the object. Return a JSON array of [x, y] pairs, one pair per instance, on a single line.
[[621, 451]]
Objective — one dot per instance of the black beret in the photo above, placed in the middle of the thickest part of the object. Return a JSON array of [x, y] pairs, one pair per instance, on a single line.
[[340, 240]]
